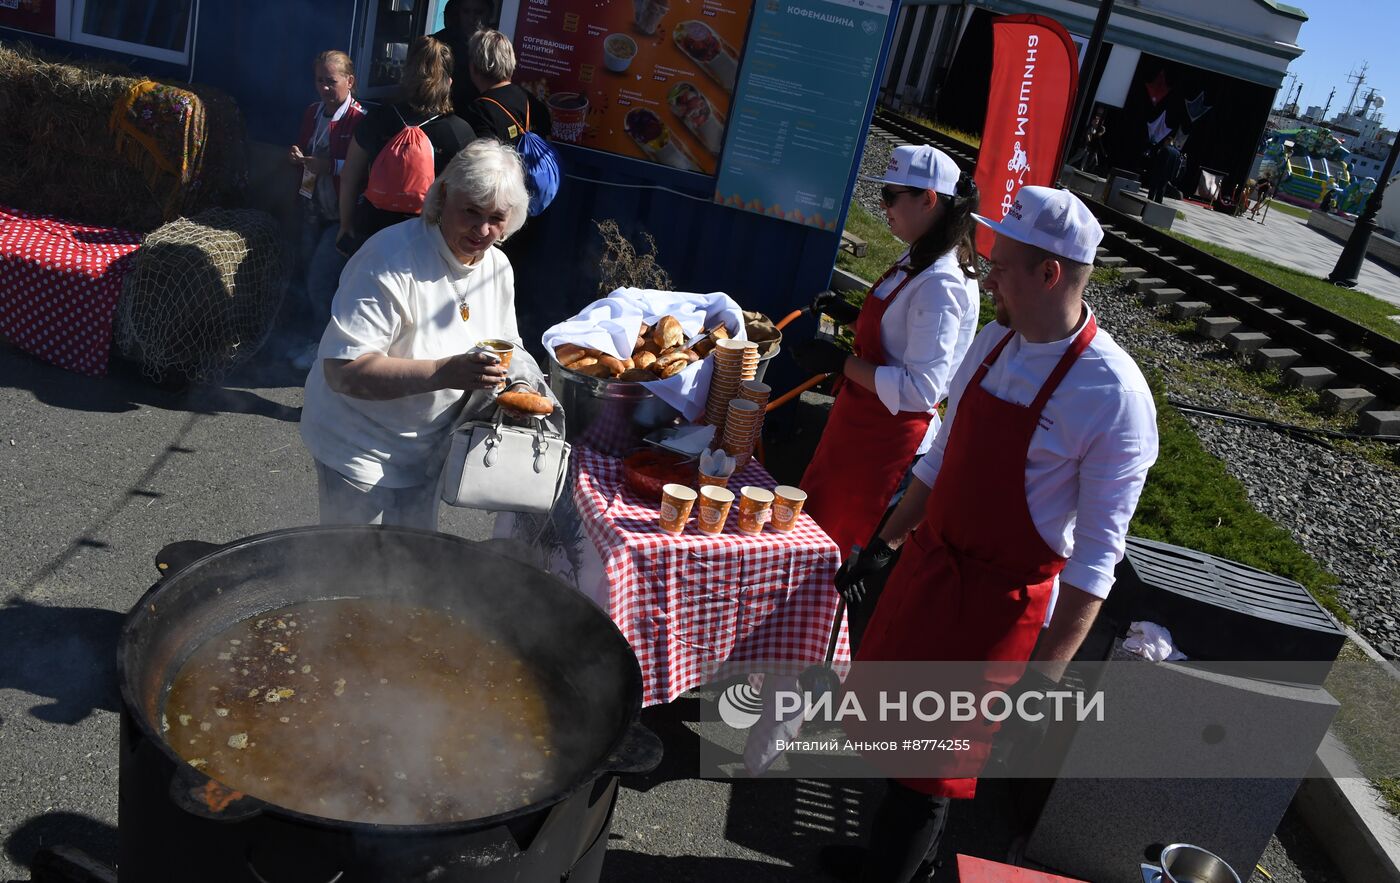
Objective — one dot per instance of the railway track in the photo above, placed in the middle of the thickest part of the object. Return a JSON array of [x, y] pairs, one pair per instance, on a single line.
[[1356, 370]]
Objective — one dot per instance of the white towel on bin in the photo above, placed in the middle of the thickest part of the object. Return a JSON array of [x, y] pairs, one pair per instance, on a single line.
[[1151, 641]]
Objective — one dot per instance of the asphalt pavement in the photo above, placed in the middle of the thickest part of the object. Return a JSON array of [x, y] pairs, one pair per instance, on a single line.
[[97, 474]]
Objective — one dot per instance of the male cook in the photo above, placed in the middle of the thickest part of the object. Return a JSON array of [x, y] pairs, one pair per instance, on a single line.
[[1025, 495]]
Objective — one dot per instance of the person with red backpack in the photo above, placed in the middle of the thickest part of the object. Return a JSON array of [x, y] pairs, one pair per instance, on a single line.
[[401, 147]]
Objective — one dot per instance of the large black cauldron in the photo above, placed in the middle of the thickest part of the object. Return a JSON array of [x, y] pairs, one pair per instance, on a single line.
[[179, 825]]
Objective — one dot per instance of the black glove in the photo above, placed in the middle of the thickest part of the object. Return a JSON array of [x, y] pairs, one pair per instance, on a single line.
[[1019, 738], [864, 564], [835, 306], [820, 357]]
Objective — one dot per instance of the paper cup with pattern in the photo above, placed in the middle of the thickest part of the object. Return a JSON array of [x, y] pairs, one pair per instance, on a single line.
[[713, 508], [787, 505], [713, 481], [501, 349], [755, 509], [676, 503]]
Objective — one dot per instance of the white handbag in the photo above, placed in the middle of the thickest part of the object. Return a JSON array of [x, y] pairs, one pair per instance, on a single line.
[[500, 467]]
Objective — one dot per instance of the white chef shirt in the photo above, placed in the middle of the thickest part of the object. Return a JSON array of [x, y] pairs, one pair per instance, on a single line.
[[400, 296], [925, 333], [1089, 457]]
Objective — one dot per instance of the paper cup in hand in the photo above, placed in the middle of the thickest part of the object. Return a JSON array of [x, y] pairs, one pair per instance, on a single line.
[[676, 502], [714, 508], [755, 508], [787, 505], [501, 349]]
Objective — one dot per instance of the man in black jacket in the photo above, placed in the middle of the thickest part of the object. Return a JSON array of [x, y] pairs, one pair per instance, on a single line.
[[461, 19]]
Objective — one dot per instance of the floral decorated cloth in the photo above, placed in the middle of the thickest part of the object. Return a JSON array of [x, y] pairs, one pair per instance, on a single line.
[[161, 131], [59, 286]]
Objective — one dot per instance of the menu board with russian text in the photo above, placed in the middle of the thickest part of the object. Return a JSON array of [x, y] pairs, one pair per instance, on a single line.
[[799, 111], [649, 79]]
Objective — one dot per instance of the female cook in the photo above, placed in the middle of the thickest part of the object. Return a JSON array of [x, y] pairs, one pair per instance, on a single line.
[[397, 361], [910, 336]]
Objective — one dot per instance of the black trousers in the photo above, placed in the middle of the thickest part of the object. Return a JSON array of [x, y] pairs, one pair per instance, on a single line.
[[905, 837]]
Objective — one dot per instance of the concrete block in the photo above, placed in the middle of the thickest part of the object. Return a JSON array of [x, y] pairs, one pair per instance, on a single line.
[[1216, 327], [1273, 311], [1160, 296], [1272, 357], [1158, 215], [1379, 422], [1364, 355], [1246, 342], [1189, 309], [1112, 260], [1324, 336], [1250, 299], [1131, 273], [1346, 401], [1309, 378], [1228, 289], [1391, 370], [1297, 323], [1142, 283]]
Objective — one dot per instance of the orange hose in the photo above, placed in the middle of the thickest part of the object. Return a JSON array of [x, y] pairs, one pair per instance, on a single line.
[[789, 317], [795, 391]]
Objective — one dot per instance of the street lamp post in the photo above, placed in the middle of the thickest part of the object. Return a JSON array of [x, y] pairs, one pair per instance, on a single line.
[[1349, 264]]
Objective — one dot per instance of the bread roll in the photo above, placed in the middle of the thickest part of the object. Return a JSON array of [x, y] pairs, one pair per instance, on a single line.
[[718, 333], [568, 353], [580, 364], [641, 375], [671, 368], [675, 357], [644, 359], [691, 355], [597, 369], [668, 333], [614, 365], [524, 401]]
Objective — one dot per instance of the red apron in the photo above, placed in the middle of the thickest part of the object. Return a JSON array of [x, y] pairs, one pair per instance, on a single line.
[[975, 580], [864, 450]]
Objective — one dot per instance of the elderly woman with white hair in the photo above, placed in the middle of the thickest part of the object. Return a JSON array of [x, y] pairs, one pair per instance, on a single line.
[[502, 110], [397, 361]]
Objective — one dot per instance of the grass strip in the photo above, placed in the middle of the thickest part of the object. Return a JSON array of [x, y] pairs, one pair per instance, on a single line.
[[1369, 695], [1359, 307], [882, 248], [1289, 208]]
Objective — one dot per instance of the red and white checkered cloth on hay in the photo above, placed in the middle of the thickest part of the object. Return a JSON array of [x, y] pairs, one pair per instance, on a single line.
[[693, 604], [59, 285]]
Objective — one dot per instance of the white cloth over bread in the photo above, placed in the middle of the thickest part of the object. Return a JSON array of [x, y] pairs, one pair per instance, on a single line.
[[610, 325]]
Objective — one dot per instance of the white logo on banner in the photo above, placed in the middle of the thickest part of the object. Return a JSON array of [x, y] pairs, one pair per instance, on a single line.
[[739, 706]]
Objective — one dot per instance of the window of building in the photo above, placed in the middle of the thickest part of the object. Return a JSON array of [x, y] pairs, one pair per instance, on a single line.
[[158, 29]]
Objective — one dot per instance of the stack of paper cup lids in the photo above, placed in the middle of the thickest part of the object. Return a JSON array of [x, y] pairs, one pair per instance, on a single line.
[[758, 393], [735, 361], [739, 427]]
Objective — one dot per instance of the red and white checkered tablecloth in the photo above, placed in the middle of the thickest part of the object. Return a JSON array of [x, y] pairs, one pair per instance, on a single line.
[[59, 285], [695, 606]]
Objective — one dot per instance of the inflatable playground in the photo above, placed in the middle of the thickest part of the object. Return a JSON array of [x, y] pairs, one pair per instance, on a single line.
[[1308, 162]]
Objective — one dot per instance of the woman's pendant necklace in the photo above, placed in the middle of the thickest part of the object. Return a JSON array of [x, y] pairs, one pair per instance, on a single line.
[[465, 310]]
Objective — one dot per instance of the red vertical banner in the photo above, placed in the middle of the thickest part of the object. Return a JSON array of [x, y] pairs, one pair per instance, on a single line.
[[1035, 72]]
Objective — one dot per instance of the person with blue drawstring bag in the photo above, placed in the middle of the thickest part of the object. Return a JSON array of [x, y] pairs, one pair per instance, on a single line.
[[508, 113]]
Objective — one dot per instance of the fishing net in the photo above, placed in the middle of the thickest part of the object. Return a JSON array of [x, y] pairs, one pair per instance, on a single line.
[[201, 294]]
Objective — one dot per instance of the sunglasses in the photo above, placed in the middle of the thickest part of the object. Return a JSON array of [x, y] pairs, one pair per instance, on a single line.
[[889, 194]]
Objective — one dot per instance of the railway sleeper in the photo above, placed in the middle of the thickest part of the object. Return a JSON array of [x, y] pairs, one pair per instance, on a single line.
[[1379, 422], [1189, 309], [1158, 297], [1276, 358], [1216, 327], [1143, 283], [1246, 342], [1346, 400], [1309, 377]]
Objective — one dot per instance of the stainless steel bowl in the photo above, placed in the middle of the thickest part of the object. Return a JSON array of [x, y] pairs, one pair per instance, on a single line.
[[609, 416], [1184, 863]]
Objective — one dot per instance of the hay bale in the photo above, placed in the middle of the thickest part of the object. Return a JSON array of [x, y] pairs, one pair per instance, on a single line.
[[72, 165], [201, 294]]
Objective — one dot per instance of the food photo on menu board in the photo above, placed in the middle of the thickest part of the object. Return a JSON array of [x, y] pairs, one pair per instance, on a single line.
[[649, 79]]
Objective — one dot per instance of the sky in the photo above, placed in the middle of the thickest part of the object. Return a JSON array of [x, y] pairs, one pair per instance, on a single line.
[[1337, 37]]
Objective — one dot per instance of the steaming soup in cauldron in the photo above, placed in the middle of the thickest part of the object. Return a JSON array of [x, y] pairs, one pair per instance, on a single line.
[[367, 711]]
